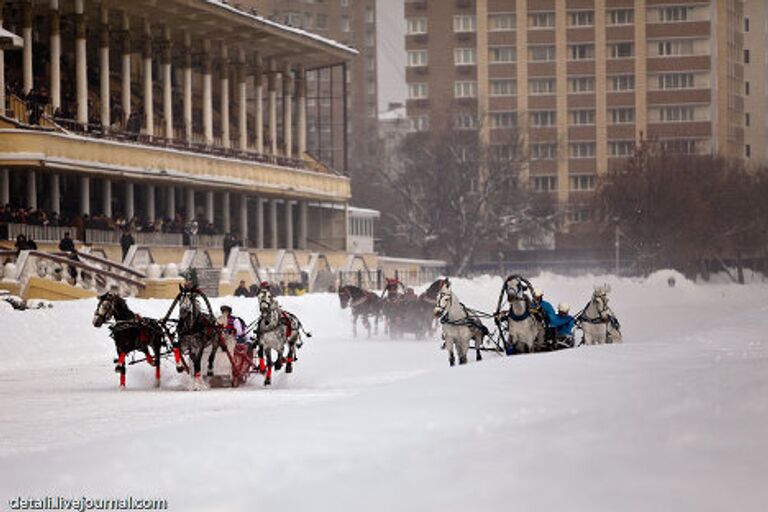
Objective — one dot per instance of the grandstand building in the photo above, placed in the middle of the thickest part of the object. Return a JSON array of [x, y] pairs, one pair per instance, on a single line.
[[169, 112]]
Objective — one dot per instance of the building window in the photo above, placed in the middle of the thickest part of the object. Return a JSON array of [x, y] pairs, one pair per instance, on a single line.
[[748, 151], [503, 119], [345, 24], [465, 89], [622, 115], [746, 56], [418, 91], [581, 215], [464, 23], [417, 58], [370, 15], [623, 82], [321, 22], [676, 114], [621, 50], [581, 51], [543, 151], [621, 148], [502, 153], [502, 54], [541, 86], [581, 84], [465, 121], [420, 123], [675, 13], [680, 146], [581, 150], [370, 64], [541, 20], [747, 119], [541, 53], [344, 3], [621, 16], [498, 22], [582, 182], [746, 23], [417, 26], [541, 118], [464, 56], [580, 117], [746, 87], [544, 183], [676, 81], [675, 47], [503, 87], [370, 39], [581, 18]]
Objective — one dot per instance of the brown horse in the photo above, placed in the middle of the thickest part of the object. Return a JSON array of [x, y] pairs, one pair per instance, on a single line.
[[363, 304]]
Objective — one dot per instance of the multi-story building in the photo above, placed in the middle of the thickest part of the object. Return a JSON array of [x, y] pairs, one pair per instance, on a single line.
[[581, 80], [755, 82], [351, 22]]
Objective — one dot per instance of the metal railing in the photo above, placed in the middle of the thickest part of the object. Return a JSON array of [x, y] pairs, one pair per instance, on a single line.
[[9, 231]]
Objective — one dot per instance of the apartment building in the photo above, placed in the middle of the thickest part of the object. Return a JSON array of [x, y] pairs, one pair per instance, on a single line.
[[755, 82], [583, 80], [351, 22]]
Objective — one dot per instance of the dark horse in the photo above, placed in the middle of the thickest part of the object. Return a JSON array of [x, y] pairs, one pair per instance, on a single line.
[[404, 311], [131, 332], [363, 304], [196, 330]]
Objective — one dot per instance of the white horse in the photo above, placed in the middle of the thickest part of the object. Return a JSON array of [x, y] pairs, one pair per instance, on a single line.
[[526, 332], [276, 329], [598, 322], [459, 326]]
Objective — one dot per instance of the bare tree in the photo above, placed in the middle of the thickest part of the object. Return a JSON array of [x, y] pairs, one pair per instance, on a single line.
[[458, 196]]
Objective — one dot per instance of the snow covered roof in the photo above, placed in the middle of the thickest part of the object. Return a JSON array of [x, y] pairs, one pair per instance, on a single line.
[[395, 114]]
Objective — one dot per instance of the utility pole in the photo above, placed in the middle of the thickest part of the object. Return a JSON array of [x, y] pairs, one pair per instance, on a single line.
[[617, 247]]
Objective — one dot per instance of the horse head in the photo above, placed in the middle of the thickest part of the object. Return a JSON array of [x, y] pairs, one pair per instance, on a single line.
[[515, 288], [444, 300], [345, 296], [188, 312], [104, 309]]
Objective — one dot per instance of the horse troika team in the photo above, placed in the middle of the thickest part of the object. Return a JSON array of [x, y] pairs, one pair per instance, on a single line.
[[524, 320]]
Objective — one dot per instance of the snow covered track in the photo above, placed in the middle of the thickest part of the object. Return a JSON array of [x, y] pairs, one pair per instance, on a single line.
[[674, 419]]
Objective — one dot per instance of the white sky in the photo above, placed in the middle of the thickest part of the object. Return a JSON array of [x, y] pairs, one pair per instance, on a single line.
[[391, 52]]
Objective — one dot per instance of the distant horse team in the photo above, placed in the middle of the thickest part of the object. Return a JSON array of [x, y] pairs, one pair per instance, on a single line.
[[524, 323]]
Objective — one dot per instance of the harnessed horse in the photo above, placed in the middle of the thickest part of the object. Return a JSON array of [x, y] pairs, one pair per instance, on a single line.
[[274, 330], [196, 331], [598, 322], [363, 304], [459, 326], [130, 332], [526, 332]]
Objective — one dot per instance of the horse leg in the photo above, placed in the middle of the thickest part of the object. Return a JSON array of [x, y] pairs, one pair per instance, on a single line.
[[449, 347], [354, 325], [268, 376], [367, 325], [121, 369], [212, 357], [291, 358], [262, 365], [177, 356], [463, 347], [478, 342]]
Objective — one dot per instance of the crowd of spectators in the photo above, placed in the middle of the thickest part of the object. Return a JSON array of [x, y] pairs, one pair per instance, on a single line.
[[31, 216]]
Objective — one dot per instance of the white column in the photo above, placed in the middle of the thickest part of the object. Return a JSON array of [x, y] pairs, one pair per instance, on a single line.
[[224, 106], [207, 94], [130, 204], [32, 189], [303, 224], [273, 223], [26, 34], [126, 69], [242, 102], [2, 73], [225, 206], [288, 111], [189, 204], [106, 198], [244, 218], [272, 85], [85, 195], [167, 85], [209, 206], [188, 87], [288, 224], [260, 223], [5, 187], [149, 114], [150, 213], [55, 71], [259, 84], [104, 79], [55, 196], [81, 58], [301, 105], [170, 204]]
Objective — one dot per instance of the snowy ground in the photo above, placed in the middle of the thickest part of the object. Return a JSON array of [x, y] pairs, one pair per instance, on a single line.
[[675, 419]]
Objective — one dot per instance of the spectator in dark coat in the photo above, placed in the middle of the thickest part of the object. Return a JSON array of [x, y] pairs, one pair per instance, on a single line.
[[126, 241], [242, 291], [67, 244]]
